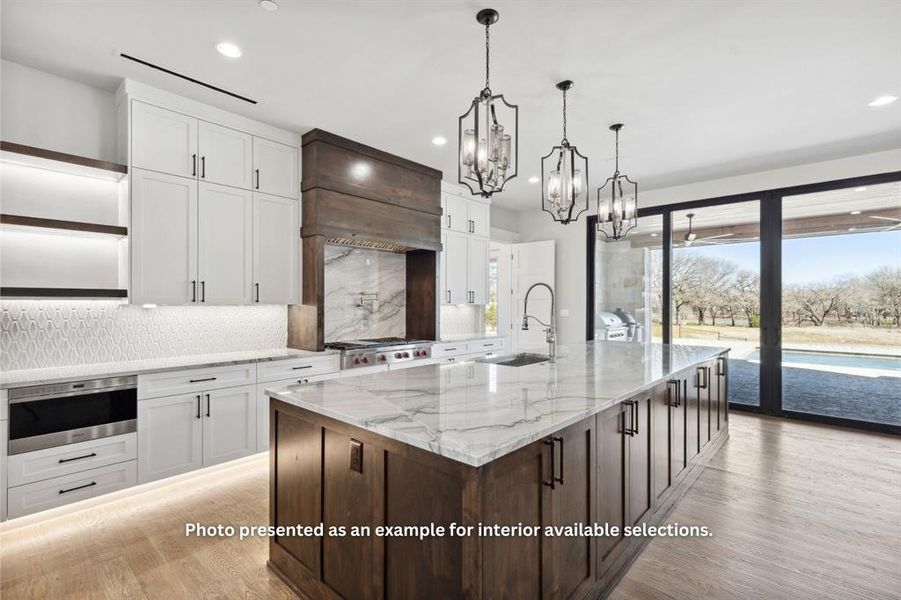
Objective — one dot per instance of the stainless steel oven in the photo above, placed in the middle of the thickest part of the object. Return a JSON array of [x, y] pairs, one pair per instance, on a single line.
[[45, 416]]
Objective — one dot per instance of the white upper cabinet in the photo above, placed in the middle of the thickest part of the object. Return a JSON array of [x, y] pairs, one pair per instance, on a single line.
[[477, 255], [456, 213], [163, 140], [225, 244], [455, 269], [479, 218], [276, 168], [226, 156], [276, 236], [163, 238]]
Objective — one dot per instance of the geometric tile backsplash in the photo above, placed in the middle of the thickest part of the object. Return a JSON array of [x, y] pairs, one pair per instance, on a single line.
[[51, 333]]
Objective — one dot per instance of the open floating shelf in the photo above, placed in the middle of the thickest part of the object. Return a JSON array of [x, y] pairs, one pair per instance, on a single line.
[[40, 222], [60, 161], [44, 292]]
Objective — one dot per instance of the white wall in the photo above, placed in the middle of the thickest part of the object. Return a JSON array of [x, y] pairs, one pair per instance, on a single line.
[[44, 110], [535, 225]]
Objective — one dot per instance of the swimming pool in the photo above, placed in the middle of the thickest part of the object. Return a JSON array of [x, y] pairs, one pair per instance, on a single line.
[[865, 361]]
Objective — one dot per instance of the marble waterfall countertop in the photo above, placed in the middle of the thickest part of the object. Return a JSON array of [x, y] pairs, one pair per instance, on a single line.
[[476, 412], [24, 377]]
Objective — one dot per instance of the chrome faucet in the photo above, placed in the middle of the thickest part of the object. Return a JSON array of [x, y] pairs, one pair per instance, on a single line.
[[551, 328]]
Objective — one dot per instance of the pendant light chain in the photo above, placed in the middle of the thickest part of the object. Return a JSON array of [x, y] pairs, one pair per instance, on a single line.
[[616, 169], [487, 56], [564, 117]]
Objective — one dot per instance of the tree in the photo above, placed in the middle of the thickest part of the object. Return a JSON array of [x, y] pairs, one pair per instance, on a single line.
[[746, 293], [818, 301], [885, 286]]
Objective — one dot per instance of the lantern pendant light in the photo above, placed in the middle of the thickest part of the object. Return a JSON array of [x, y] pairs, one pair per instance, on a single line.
[[488, 133], [617, 201], [564, 176]]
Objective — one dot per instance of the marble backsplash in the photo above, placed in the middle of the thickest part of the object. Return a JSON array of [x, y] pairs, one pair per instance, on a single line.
[[36, 334], [365, 294]]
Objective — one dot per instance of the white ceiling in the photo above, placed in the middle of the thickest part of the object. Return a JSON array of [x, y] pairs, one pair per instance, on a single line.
[[705, 89]]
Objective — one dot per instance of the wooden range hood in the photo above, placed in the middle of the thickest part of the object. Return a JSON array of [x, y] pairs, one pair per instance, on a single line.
[[359, 196]]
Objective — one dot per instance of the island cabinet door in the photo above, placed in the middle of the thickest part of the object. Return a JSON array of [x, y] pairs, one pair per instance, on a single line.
[[691, 394], [719, 386], [514, 492], [661, 443], [639, 457], [612, 480], [569, 562], [707, 408], [678, 424]]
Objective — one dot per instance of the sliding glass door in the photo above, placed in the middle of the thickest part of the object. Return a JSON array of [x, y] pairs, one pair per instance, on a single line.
[[715, 289], [803, 284], [841, 303]]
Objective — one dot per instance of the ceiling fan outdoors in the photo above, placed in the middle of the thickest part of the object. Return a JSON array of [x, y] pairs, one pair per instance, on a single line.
[[691, 237], [895, 220]]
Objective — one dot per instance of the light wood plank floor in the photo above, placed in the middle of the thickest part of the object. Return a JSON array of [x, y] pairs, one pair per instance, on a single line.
[[798, 511]]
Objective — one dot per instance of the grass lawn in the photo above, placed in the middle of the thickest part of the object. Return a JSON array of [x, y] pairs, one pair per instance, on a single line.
[[827, 334]]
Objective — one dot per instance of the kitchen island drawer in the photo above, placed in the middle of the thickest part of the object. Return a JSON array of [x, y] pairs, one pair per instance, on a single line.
[[171, 383], [451, 349], [58, 491], [30, 467], [487, 345], [298, 368]]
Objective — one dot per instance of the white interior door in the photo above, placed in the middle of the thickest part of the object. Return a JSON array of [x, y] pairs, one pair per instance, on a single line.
[[163, 238], [503, 254], [456, 251], [533, 262], [229, 424], [163, 140], [276, 167], [478, 270], [276, 235], [169, 436], [226, 156], [442, 270], [225, 244]]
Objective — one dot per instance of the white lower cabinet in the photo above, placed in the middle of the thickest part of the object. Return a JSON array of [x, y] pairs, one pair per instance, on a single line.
[[50, 493], [177, 434], [170, 436], [229, 424], [29, 467]]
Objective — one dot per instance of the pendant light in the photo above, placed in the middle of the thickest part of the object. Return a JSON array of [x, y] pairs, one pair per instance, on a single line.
[[564, 176], [488, 134], [617, 201]]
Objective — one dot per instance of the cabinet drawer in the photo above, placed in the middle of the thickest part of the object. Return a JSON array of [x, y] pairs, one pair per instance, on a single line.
[[171, 383], [450, 349], [297, 368], [72, 458], [50, 493], [487, 345]]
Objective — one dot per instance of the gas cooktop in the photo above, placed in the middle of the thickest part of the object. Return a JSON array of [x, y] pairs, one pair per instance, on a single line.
[[380, 351]]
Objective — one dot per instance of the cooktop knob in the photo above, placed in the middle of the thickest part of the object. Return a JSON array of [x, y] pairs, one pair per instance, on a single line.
[[398, 355]]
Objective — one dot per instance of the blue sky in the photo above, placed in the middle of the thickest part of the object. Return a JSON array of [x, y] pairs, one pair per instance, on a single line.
[[806, 260]]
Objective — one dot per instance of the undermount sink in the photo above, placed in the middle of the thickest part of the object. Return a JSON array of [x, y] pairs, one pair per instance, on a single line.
[[516, 360]]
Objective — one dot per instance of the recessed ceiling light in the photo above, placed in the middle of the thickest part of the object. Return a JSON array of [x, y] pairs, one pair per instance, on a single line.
[[862, 188], [852, 228], [654, 234], [855, 212], [439, 140], [269, 5], [534, 179], [228, 49], [883, 100]]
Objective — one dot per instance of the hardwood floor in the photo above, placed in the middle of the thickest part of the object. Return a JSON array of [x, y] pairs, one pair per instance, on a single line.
[[797, 511]]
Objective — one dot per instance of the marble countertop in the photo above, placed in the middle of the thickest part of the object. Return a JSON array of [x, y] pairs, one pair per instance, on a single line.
[[476, 412], [25, 377]]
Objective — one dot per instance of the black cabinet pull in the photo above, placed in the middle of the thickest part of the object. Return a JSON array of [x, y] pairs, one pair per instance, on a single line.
[[257, 286], [257, 171], [559, 479], [702, 381], [193, 290], [448, 296], [203, 291], [201, 380], [552, 482], [203, 167], [721, 366], [65, 460], [198, 406], [207, 405], [302, 367], [193, 165], [80, 487], [635, 416], [448, 221]]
